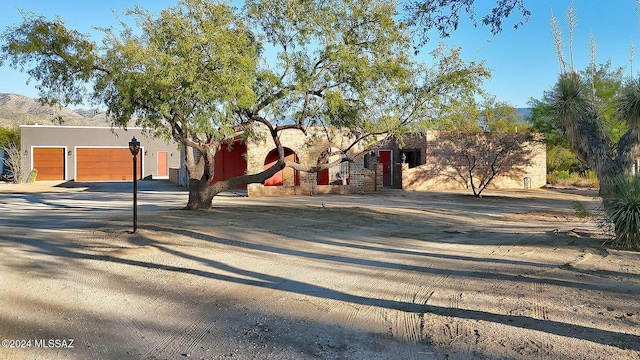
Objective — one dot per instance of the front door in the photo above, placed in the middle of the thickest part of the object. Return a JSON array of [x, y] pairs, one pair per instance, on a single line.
[[386, 157], [162, 164]]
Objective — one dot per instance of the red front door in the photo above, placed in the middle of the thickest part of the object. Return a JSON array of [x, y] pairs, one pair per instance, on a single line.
[[386, 161]]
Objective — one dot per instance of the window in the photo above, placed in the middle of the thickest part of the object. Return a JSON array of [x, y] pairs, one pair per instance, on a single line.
[[412, 157]]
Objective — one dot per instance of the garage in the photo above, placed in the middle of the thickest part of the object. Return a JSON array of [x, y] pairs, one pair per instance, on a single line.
[[49, 162], [105, 164]]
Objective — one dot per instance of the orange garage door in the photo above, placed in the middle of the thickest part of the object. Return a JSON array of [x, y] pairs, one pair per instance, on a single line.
[[49, 162], [93, 164]]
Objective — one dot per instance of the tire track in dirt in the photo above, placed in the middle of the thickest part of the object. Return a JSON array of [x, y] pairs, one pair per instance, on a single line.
[[413, 287], [539, 310], [410, 327], [501, 250], [407, 327], [184, 341], [130, 320], [369, 287]]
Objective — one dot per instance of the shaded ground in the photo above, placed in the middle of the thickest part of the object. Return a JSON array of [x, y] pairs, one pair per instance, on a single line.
[[394, 275]]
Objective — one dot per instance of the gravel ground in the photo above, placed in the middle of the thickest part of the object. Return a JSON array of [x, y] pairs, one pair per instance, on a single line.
[[392, 275]]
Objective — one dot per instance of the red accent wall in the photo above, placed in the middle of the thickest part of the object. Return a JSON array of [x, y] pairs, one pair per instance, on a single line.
[[229, 164]]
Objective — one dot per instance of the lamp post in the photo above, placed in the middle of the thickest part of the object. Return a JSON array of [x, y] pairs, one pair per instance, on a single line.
[[134, 147]]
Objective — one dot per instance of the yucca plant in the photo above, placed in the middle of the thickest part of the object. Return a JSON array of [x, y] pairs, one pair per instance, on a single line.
[[622, 206], [628, 106]]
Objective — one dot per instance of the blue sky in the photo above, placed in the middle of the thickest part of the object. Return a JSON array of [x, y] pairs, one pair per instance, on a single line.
[[523, 61]]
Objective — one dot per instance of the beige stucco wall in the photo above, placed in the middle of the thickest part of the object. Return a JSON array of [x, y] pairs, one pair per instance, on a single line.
[[439, 176]]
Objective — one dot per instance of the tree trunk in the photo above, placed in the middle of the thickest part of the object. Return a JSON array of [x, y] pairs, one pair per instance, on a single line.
[[199, 196], [202, 192]]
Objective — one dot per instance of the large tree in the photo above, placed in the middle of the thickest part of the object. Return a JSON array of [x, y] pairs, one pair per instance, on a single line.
[[203, 74]]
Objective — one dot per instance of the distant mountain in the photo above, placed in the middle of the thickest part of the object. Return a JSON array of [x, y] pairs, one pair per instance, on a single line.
[[524, 113], [18, 110]]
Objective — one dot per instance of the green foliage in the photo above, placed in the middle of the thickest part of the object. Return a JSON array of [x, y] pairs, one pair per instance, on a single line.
[[623, 208], [587, 179], [192, 66], [9, 136], [591, 94], [562, 174], [562, 158], [63, 60], [465, 113], [32, 176], [500, 116], [628, 109]]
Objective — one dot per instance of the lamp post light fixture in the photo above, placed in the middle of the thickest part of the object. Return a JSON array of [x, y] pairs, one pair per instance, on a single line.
[[134, 147]]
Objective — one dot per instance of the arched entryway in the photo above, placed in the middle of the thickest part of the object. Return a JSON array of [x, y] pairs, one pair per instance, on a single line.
[[286, 176]]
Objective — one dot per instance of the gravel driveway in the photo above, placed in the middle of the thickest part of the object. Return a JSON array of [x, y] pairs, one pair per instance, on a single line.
[[392, 275]]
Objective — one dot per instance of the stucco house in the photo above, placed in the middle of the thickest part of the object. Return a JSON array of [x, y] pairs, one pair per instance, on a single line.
[[408, 164], [84, 153], [87, 153]]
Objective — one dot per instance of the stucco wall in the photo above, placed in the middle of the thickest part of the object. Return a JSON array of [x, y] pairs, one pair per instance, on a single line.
[[72, 137], [436, 175]]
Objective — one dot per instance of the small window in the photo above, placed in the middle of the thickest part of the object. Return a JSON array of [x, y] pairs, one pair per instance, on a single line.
[[411, 157]]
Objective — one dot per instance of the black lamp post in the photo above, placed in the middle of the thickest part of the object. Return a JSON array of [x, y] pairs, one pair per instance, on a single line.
[[134, 147]]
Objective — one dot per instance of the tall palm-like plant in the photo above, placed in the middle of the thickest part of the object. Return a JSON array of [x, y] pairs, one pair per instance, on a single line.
[[581, 122]]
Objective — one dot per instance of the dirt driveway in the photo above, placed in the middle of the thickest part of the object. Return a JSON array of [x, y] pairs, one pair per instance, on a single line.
[[394, 275]]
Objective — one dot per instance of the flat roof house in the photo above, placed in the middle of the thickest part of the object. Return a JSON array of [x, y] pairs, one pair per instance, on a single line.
[[87, 153]]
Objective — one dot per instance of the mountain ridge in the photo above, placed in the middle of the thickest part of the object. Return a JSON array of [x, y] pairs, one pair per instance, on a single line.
[[16, 110]]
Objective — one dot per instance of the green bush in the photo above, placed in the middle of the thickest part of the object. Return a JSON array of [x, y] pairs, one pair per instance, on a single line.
[[9, 136], [591, 179], [623, 208], [562, 158], [564, 174], [32, 176]]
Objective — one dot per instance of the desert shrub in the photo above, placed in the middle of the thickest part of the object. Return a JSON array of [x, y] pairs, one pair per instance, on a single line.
[[9, 136], [623, 208], [563, 174], [565, 179], [32, 176], [13, 162], [590, 179], [581, 210]]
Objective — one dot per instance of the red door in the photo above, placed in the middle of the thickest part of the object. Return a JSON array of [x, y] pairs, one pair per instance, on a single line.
[[385, 160]]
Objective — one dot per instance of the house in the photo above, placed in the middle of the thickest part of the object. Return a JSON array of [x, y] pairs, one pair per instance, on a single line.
[[87, 153], [407, 164]]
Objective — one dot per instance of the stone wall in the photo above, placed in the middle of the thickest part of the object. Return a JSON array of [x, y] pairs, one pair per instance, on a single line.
[[308, 149]]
